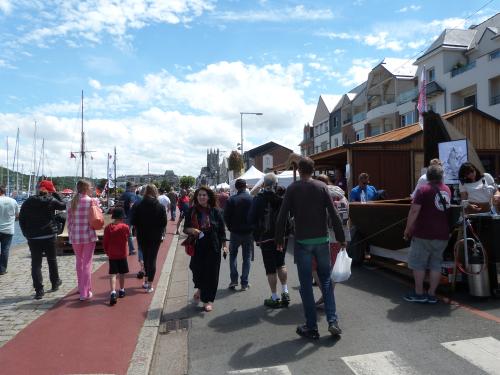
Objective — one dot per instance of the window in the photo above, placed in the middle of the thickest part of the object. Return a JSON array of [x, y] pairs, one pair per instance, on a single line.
[[324, 145], [407, 118], [360, 135], [335, 122], [336, 142], [470, 100], [267, 162], [431, 75]]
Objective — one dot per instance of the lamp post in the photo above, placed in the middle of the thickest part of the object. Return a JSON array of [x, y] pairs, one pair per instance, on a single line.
[[241, 123]]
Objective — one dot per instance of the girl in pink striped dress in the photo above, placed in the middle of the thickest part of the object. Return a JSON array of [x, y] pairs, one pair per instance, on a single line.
[[82, 237]]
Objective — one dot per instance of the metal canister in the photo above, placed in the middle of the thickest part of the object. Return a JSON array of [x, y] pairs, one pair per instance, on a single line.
[[478, 280]]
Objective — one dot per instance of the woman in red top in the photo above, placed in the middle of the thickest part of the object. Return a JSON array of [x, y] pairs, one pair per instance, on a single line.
[[183, 204]]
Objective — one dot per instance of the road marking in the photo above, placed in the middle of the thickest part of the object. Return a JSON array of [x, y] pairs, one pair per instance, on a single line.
[[483, 353], [276, 370], [382, 363]]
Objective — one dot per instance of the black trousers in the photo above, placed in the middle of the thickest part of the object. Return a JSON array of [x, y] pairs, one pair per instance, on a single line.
[[37, 249], [150, 253], [205, 265]]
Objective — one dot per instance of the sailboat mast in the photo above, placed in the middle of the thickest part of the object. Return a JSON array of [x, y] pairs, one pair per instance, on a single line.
[[8, 174], [114, 163], [16, 155], [82, 151]]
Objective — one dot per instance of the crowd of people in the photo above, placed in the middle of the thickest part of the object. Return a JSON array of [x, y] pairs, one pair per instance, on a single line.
[[315, 209]]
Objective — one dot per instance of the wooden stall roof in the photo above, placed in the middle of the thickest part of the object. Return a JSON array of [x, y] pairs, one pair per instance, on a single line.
[[392, 136]]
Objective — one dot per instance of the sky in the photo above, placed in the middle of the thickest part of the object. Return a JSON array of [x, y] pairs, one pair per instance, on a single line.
[[165, 80]]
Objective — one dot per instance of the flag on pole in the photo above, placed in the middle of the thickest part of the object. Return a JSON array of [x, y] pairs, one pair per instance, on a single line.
[[72, 156], [422, 98], [110, 184]]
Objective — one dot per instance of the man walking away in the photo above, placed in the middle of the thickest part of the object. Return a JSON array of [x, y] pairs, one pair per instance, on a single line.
[[236, 218], [39, 226], [427, 226], [128, 199], [172, 195], [306, 201], [164, 200], [9, 213], [263, 214]]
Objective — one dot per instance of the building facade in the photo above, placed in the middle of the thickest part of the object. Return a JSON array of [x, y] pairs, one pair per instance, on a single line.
[[264, 157], [307, 144], [462, 68]]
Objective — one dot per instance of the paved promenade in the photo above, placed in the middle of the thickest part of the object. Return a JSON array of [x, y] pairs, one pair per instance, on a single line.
[[61, 334]]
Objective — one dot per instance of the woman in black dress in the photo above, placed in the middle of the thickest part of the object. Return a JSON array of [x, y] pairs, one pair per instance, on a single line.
[[150, 219], [205, 223]]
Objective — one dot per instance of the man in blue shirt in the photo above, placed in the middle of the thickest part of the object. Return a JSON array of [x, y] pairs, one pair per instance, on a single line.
[[370, 192], [129, 198]]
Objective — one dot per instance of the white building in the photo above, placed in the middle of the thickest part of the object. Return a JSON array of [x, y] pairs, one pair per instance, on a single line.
[[321, 122], [463, 68]]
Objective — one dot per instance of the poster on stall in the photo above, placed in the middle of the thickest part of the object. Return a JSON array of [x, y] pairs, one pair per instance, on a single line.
[[452, 154]]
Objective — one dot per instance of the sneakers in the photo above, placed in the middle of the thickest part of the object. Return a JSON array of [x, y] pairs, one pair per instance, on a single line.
[[233, 285], [432, 299], [3, 272], [112, 299], [145, 285], [414, 297], [272, 303], [39, 294], [285, 299], [55, 287], [334, 329], [245, 287], [140, 274], [87, 298], [308, 333], [150, 289], [121, 293]]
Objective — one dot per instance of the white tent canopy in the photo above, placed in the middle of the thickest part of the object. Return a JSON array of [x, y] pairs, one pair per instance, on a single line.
[[224, 185], [252, 176], [285, 179]]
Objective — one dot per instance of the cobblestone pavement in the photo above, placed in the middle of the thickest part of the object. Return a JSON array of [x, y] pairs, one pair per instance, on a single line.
[[17, 306]]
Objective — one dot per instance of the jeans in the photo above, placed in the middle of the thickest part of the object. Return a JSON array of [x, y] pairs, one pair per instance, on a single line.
[[173, 209], [84, 253], [5, 241], [304, 255], [37, 248], [246, 242], [131, 248]]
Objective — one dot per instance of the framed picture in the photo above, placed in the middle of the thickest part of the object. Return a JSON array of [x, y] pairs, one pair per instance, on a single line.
[[453, 154]]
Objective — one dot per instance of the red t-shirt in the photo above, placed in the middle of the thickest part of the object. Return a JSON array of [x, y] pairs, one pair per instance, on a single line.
[[116, 240], [432, 221]]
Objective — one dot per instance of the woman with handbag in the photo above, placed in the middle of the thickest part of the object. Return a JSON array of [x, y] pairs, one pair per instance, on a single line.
[[149, 219], [204, 223], [82, 236]]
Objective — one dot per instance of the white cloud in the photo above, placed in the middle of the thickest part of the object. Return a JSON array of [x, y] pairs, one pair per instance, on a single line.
[[327, 70], [6, 65], [297, 13], [95, 84], [90, 20], [358, 72], [381, 40], [413, 8], [170, 121], [5, 6]]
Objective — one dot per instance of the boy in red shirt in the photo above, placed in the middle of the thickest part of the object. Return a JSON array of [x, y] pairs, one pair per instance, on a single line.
[[116, 247]]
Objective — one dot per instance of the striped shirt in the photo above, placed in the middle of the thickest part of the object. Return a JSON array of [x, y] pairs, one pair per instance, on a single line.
[[79, 229]]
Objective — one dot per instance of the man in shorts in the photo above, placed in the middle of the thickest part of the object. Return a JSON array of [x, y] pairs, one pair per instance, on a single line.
[[427, 226], [263, 213]]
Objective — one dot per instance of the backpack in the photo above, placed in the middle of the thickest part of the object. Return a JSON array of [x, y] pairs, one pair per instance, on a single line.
[[266, 224]]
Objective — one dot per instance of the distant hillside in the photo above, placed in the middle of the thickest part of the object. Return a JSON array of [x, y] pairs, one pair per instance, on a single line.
[[61, 182]]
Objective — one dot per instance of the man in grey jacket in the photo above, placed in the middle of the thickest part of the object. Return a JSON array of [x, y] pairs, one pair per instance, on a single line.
[[308, 201]]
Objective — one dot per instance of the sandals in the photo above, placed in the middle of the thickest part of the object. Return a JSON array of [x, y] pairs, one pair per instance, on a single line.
[[208, 307]]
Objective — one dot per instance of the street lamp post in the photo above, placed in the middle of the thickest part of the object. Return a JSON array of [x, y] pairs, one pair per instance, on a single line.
[[241, 123]]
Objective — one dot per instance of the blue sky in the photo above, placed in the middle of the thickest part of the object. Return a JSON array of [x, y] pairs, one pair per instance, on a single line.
[[166, 79]]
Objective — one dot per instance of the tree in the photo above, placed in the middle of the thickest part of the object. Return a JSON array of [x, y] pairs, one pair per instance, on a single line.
[[187, 181], [165, 185], [235, 161], [101, 183]]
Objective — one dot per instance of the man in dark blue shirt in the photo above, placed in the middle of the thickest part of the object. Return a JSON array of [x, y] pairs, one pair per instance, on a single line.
[[236, 218], [128, 198]]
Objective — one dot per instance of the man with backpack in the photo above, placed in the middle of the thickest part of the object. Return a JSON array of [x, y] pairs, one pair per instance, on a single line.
[[263, 213]]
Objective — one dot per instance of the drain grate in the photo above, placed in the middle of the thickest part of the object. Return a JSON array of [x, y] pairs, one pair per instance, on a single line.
[[174, 325]]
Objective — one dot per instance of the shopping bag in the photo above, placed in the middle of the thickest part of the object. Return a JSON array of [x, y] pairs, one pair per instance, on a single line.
[[342, 268], [96, 218], [189, 245]]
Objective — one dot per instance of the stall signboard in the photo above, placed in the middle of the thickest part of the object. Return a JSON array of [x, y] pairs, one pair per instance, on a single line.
[[452, 154]]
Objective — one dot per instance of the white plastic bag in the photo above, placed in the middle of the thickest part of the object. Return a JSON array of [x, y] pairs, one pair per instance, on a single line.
[[342, 267]]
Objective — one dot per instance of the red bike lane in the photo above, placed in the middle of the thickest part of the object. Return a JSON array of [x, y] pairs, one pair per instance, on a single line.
[[89, 337]]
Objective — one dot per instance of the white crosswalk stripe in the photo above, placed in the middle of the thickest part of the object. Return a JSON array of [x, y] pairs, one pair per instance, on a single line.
[[482, 352], [382, 363], [276, 370]]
